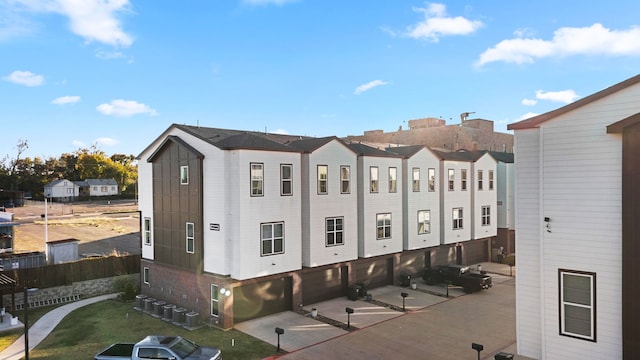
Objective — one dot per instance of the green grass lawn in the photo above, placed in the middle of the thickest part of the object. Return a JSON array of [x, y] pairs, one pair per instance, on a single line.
[[86, 331], [7, 338]]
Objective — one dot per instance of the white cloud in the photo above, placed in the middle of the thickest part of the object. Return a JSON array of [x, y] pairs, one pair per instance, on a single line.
[[527, 115], [567, 41], [63, 100], [437, 24], [26, 78], [94, 20], [268, 2], [529, 102], [565, 96], [368, 86], [79, 144], [125, 108], [280, 131], [107, 141]]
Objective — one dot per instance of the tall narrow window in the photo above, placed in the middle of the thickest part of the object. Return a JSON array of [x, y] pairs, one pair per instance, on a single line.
[[286, 181], [373, 176], [479, 179], [383, 224], [577, 304], [457, 218], [215, 296], [416, 179], [486, 215], [345, 179], [145, 275], [452, 178], [393, 179], [463, 179], [184, 175], [257, 179], [334, 230], [490, 179], [424, 222], [322, 179], [272, 238], [191, 238], [432, 179], [147, 231]]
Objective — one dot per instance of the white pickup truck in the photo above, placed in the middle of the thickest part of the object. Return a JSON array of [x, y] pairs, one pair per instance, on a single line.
[[159, 347]]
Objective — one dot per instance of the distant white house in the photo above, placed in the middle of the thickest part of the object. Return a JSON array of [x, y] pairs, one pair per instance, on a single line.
[[62, 189], [98, 187]]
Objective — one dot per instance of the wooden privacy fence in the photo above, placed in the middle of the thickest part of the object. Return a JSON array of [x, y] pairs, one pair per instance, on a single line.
[[67, 273]]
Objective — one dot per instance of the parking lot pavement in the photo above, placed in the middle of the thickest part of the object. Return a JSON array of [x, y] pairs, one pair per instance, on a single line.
[[364, 313]]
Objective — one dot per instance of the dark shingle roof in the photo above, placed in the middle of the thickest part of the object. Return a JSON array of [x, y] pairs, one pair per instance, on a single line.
[[364, 150], [406, 151]]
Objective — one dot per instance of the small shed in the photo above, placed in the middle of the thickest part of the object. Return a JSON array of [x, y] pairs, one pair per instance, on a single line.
[[60, 251]]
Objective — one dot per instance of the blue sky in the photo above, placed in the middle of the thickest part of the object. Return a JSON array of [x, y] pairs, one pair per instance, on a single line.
[[117, 73]]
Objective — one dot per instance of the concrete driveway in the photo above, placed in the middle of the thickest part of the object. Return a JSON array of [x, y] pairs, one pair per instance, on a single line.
[[432, 327]]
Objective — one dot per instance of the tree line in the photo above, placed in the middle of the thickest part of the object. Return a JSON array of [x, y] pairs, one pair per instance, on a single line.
[[32, 174]]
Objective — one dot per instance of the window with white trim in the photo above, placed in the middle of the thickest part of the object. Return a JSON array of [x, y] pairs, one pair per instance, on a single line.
[[424, 222], [463, 179], [335, 231], [322, 179], [393, 179], [490, 179], [272, 238], [215, 296], [145, 275], [432, 179], [486, 215], [286, 180], [452, 178], [577, 300], [480, 180], [184, 175], [373, 177], [257, 179], [345, 179], [191, 238], [457, 218], [416, 179], [147, 231], [383, 226]]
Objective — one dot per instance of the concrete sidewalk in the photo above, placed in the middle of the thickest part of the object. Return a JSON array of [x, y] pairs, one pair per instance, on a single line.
[[45, 325]]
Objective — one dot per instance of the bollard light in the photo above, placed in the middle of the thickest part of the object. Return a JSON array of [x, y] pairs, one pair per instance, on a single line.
[[478, 348], [279, 331], [349, 312], [404, 296]]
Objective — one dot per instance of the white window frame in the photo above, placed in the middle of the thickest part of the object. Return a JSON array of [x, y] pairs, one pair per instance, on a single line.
[[215, 300], [393, 179], [334, 229], [373, 179], [272, 238], [190, 238], [424, 222], [256, 174], [566, 304], [184, 175], [490, 179], [432, 179], [147, 231], [415, 184], [486, 215], [345, 179], [145, 275], [323, 179], [286, 181], [457, 217], [383, 226], [480, 184], [463, 179], [452, 179]]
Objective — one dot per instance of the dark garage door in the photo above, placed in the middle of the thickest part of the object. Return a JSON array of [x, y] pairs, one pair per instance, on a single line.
[[252, 301], [323, 284], [375, 273]]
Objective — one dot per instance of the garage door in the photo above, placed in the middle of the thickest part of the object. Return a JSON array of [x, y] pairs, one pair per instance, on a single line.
[[476, 251], [255, 300], [324, 284], [375, 273]]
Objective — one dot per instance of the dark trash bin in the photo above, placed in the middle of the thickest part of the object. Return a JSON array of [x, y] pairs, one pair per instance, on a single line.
[[503, 356], [405, 279], [353, 292], [363, 289]]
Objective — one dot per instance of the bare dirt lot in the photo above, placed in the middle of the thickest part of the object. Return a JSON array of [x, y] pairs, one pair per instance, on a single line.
[[101, 227]]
